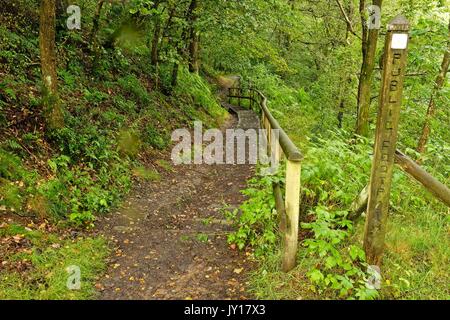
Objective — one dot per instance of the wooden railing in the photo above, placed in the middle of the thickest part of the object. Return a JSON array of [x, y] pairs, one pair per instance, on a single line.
[[410, 167], [280, 145]]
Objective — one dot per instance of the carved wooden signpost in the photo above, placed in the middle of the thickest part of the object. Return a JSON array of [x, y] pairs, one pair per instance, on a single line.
[[394, 65]]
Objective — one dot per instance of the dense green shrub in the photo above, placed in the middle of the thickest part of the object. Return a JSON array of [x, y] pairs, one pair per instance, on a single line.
[[256, 218], [133, 87]]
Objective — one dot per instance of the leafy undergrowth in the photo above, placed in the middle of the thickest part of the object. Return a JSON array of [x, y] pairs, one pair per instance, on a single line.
[[331, 262], [37, 262], [256, 218]]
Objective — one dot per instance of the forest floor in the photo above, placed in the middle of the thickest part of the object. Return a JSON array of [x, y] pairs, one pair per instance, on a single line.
[[170, 238]]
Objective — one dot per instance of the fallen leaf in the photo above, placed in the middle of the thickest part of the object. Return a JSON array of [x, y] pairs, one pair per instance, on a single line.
[[238, 271], [17, 238]]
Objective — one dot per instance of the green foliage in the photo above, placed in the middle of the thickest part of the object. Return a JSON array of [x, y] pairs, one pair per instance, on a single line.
[[14, 180], [339, 270], [196, 91], [47, 260], [123, 105], [334, 172], [82, 219], [84, 143], [201, 237], [132, 86], [110, 117], [69, 79], [256, 217], [16, 51], [10, 166], [154, 138], [113, 119], [95, 97], [10, 195], [336, 169], [144, 7]]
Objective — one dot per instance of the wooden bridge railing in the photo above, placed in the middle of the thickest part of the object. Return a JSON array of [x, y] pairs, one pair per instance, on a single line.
[[280, 145]]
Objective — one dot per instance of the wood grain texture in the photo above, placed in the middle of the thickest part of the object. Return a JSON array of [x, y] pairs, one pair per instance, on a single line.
[[394, 66]]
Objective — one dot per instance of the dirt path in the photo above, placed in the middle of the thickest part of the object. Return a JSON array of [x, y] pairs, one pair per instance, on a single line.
[[170, 236]]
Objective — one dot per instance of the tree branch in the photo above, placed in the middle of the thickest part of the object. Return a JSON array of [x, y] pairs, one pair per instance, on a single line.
[[347, 20]]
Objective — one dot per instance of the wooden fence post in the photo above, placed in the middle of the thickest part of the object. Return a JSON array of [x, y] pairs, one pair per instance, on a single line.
[[394, 65], [292, 205], [239, 95], [263, 121]]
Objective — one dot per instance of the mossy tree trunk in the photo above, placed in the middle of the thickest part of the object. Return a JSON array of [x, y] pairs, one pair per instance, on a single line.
[[194, 38], [369, 47], [47, 47], [154, 51]]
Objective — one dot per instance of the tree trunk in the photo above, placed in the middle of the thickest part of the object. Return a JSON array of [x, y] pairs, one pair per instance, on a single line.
[[96, 21], [61, 15], [286, 36], [440, 81], [154, 52], [61, 7], [155, 42], [93, 35], [48, 63], [340, 116], [194, 64], [174, 81], [369, 47]]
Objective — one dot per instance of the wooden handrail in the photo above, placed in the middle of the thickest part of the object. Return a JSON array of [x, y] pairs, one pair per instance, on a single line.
[[437, 188], [289, 148], [288, 207], [433, 185]]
